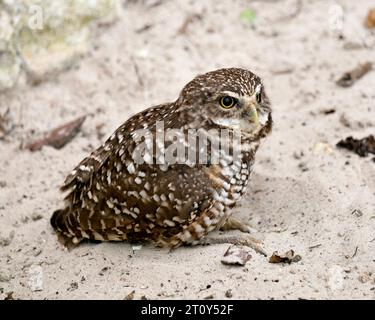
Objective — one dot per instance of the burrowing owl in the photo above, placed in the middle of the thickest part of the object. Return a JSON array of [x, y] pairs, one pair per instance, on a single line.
[[153, 179]]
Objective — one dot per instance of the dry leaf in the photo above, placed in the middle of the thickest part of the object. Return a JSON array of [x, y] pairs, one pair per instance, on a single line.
[[361, 147], [130, 296], [59, 136], [236, 255], [229, 293], [288, 257], [370, 19], [9, 296], [328, 111]]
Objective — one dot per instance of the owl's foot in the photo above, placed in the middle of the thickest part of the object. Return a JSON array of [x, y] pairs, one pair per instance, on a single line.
[[235, 224], [244, 240]]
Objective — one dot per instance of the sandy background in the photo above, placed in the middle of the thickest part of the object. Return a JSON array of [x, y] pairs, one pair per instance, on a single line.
[[303, 191]]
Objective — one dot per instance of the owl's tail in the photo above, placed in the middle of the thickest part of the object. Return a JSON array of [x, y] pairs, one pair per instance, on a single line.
[[57, 219], [58, 222]]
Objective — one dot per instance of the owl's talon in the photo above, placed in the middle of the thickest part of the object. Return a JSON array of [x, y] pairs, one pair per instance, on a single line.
[[235, 224], [247, 241]]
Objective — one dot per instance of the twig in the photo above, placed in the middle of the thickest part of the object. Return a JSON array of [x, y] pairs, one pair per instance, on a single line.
[[5, 127], [189, 19], [355, 252], [137, 73], [350, 77], [315, 246], [144, 28], [155, 4]]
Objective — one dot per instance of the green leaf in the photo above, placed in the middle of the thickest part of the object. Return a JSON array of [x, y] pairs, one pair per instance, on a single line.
[[247, 16]]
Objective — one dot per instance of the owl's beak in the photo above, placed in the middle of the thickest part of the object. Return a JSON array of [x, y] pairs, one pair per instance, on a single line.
[[254, 118]]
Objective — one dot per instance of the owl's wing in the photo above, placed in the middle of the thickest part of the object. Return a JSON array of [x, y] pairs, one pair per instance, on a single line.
[[82, 175], [85, 170], [142, 202], [113, 198]]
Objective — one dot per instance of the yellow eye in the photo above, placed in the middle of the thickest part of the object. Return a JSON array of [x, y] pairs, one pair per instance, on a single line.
[[228, 102]]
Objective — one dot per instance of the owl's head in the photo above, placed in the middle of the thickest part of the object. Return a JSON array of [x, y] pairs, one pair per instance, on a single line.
[[232, 98]]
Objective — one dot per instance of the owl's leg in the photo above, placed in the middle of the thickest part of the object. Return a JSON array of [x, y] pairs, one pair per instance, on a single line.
[[244, 240], [235, 224]]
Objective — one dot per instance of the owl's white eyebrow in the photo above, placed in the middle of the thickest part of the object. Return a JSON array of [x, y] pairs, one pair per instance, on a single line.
[[258, 88], [232, 94]]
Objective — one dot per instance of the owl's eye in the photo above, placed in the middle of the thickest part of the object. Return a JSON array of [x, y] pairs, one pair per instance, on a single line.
[[228, 102], [258, 97]]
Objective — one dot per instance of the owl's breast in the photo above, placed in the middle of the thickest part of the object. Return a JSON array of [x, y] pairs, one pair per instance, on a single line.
[[231, 175]]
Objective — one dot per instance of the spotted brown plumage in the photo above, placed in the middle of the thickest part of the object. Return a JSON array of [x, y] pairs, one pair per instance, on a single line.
[[113, 197]]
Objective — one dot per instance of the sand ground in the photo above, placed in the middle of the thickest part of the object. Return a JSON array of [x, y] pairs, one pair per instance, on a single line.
[[304, 191]]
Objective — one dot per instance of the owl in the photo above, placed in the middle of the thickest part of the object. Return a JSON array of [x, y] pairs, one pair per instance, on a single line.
[[172, 173]]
